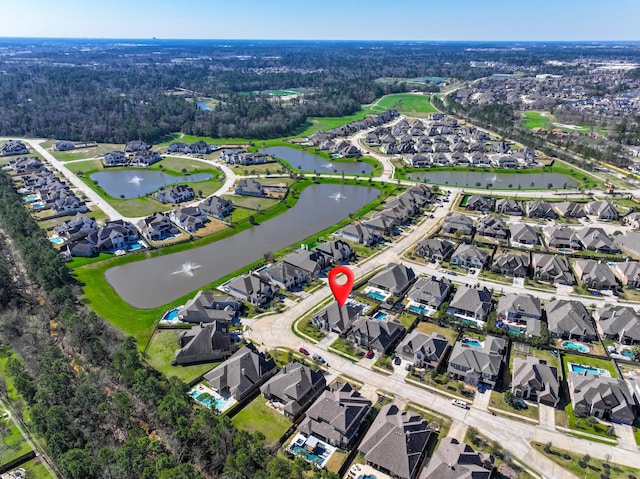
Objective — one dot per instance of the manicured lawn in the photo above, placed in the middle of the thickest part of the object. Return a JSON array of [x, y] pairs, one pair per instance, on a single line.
[[586, 425], [252, 202], [497, 401], [594, 467], [82, 153], [535, 119], [324, 123], [161, 351], [430, 328], [16, 445], [486, 446], [258, 417], [36, 469], [336, 461], [347, 347], [587, 361], [407, 104]]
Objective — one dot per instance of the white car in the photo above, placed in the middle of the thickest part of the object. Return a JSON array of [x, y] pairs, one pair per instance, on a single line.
[[459, 403]]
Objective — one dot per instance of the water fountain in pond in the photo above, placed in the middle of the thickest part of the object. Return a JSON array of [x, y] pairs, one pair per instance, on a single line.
[[328, 166], [187, 269], [337, 196], [492, 179], [136, 180]]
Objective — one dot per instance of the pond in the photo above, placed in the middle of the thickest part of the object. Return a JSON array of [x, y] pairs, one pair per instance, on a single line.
[[307, 162], [480, 179], [134, 183], [158, 281], [203, 106]]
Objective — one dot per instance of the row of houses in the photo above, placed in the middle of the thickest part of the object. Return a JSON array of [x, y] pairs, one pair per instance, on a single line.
[[196, 148], [244, 158], [425, 159], [13, 147], [319, 138], [138, 158]]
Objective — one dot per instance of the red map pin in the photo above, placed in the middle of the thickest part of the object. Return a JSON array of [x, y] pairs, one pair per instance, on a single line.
[[341, 291]]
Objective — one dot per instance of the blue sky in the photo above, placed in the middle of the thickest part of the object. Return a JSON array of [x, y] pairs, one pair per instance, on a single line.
[[325, 19]]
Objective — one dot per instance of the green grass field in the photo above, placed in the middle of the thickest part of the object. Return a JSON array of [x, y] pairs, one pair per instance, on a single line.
[[258, 417], [406, 103], [13, 445], [36, 469], [535, 119], [83, 153]]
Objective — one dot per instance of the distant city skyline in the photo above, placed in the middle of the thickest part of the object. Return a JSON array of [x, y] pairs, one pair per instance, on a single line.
[[421, 20]]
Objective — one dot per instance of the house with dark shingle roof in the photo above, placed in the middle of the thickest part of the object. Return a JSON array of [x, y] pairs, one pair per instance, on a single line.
[[13, 147], [361, 233], [78, 225], [552, 268], [540, 209], [523, 235], [601, 396], [176, 194], [455, 222], [242, 373], [508, 206], [203, 343], [454, 460], [569, 209], [522, 311], [285, 276], [336, 416], [632, 220], [431, 291], [294, 387], [492, 226], [471, 303], [311, 262], [628, 273], [396, 442], [535, 380], [249, 188], [216, 207], [394, 278], [436, 248], [511, 264], [335, 318], [475, 364], [629, 243], [205, 307], [594, 274], [423, 350], [469, 256], [383, 225], [157, 226], [570, 320], [479, 203], [621, 323], [189, 218], [603, 209], [595, 239], [252, 288], [136, 145], [380, 335]]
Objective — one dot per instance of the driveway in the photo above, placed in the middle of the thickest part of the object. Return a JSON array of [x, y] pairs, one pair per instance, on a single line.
[[547, 417], [481, 400], [626, 439]]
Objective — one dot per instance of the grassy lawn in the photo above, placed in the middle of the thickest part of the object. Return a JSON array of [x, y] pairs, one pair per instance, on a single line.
[[347, 347], [497, 402], [484, 445], [594, 467], [266, 169], [407, 103], [82, 153], [586, 361], [36, 469], [430, 328], [337, 460], [252, 202], [536, 119], [308, 329], [544, 354], [589, 425], [258, 417], [161, 351], [324, 123], [13, 445], [407, 319]]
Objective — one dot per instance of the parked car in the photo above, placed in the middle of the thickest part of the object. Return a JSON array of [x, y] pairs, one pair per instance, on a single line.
[[304, 351], [407, 367], [397, 360], [369, 354], [459, 403], [317, 357]]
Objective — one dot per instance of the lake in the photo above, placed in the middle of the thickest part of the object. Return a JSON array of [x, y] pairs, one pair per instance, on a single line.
[[157, 281], [134, 183], [479, 179], [307, 162]]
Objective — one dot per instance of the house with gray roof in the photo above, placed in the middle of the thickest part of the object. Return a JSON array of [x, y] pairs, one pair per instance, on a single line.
[[383, 225], [26, 165], [628, 273], [189, 218], [603, 209], [252, 288], [334, 318], [430, 292], [474, 364], [285, 276], [76, 227], [245, 371], [492, 226], [455, 222], [469, 256], [523, 235], [144, 158], [561, 236], [595, 239], [539, 209], [621, 323], [334, 252], [176, 194], [136, 145], [439, 249], [454, 460], [361, 233], [396, 442], [311, 262], [336, 416], [570, 320], [249, 188], [595, 275], [64, 145], [379, 335], [115, 158], [203, 343], [629, 243], [394, 278], [206, 307], [424, 350], [509, 206], [471, 303], [157, 227], [294, 387], [535, 380], [216, 207], [569, 209], [115, 234], [13, 147], [632, 220], [479, 203], [601, 396], [522, 312], [511, 264], [552, 268]]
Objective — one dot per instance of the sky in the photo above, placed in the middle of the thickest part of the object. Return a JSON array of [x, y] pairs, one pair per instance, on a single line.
[[546, 20]]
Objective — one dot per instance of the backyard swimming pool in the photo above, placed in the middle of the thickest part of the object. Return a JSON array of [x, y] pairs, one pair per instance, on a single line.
[[472, 342], [581, 348], [376, 295], [380, 316], [582, 369], [56, 240]]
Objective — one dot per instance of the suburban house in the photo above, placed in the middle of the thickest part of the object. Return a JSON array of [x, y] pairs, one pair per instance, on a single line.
[[311, 262], [285, 276], [205, 307], [216, 207], [79, 225], [439, 249], [471, 303], [396, 442], [430, 293], [535, 380], [561, 237], [453, 460], [361, 233], [569, 209], [176, 194], [189, 218], [523, 235], [336, 319], [382, 225], [603, 209], [375, 334], [253, 289], [249, 188], [595, 239], [136, 145], [629, 243], [540, 209], [144, 158], [245, 371], [115, 158], [469, 256], [13, 147], [478, 364], [64, 145], [423, 350], [336, 416], [552, 268], [621, 323], [595, 275], [628, 273], [570, 320], [454, 223], [394, 278], [26, 164], [492, 226], [632, 220], [511, 264], [294, 388], [521, 312], [508, 206], [115, 234], [203, 343], [334, 252], [601, 396], [479, 203], [157, 227]]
